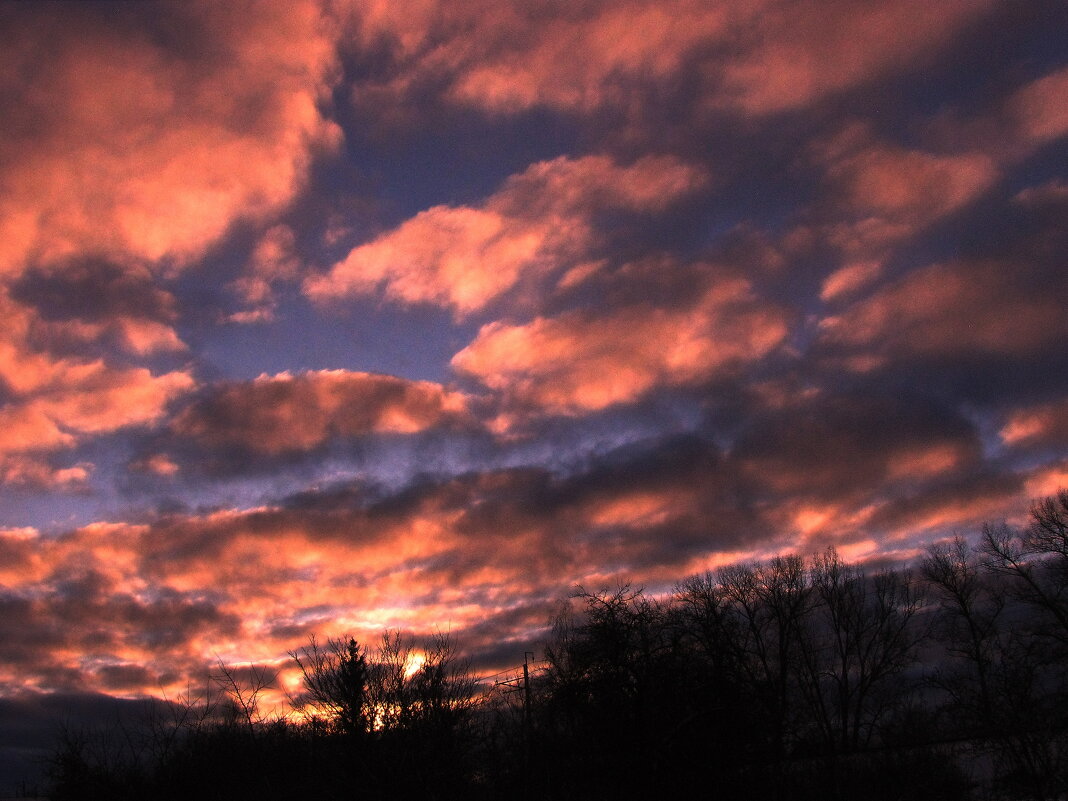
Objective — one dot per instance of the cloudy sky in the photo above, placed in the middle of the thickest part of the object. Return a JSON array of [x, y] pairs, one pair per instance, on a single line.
[[325, 317]]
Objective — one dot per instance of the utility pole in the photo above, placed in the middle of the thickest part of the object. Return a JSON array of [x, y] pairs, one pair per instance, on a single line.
[[523, 684], [526, 691], [528, 734]]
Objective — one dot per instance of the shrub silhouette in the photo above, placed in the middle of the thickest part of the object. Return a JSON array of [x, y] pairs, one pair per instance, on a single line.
[[791, 679]]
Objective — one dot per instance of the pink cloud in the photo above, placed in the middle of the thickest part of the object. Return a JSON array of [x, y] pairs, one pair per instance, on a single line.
[[881, 195], [620, 41], [453, 554], [30, 470], [1047, 480], [95, 398], [88, 301], [538, 222], [833, 459], [135, 335], [950, 308], [20, 549], [28, 428], [273, 260], [1039, 110], [175, 595], [782, 55], [80, 401], [125, 151], [74, 399], [159, 464], [285, 412], [1051, 192], [910, 186], [849, 279], [111, 593], [794, 52], [584, 361], [506, 57], [1011, 127], [153, 154], [1042, 425], [918, 462], [55, 403], [962, 510]]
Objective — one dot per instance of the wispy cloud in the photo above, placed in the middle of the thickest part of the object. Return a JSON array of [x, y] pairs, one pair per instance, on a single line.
[[283, 413]]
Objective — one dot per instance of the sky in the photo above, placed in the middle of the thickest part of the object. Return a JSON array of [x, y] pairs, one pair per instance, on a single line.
[[325, 317]]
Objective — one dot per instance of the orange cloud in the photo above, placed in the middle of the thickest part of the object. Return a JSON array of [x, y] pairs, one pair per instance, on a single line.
[[884, 194], [81, 400], [584, 361], [795, 52], [272, 260], [55, 403], [85, 398], [538, 222], [285, 412], [174, 595], [153, 153], [1039, 110], [32, 470], [83, 606], [887, 193], [1046, 424], [1047, 480], [950, 308], [849, 279], [507, 57]]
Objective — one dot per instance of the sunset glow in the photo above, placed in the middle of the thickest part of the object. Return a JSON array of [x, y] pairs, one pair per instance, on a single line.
[[324, 318]]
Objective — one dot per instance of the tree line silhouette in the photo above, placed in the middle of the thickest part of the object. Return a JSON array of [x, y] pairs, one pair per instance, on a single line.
[[786, 680]]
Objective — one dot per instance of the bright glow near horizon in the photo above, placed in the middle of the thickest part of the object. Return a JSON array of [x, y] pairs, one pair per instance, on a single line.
[[324, 318]]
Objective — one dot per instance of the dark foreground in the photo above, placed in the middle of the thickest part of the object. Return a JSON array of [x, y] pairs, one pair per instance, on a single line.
[[791, 680]]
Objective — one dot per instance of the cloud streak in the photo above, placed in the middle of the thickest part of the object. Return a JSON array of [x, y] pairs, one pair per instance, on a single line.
[[321, 317], [283, 413]]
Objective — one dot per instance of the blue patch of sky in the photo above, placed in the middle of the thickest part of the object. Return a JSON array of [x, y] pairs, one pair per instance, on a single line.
[[363, 334], [48, 512], [461, 160], [1047, 164], [987, 426], [100, 498]]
